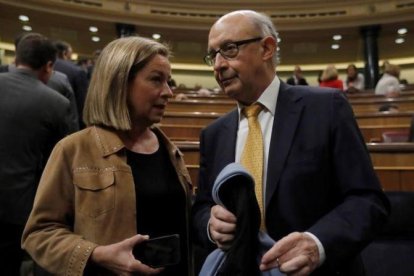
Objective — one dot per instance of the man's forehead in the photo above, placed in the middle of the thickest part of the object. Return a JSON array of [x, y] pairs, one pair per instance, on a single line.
[[229, 29]]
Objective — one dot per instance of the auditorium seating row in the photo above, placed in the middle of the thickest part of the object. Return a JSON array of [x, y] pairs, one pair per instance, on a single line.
[[393, 162], [362, 105], [186, 126]]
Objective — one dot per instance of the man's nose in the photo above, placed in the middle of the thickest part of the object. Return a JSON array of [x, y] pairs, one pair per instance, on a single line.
[[219, 61]]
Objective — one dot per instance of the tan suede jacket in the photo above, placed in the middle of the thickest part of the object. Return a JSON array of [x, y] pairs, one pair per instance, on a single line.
[[86, 198]]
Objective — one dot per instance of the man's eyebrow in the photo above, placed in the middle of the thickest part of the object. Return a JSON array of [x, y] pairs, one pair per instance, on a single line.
[[227, 41]]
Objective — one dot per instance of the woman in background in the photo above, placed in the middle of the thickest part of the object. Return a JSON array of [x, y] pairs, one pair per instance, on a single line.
[[355, 81], [118, 182], [389, 84], [329, 78]]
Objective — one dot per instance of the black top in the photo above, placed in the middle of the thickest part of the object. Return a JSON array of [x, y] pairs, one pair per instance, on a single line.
[[161, 207]]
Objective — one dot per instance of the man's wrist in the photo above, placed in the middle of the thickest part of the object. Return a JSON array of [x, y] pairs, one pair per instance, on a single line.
[[321, 250]]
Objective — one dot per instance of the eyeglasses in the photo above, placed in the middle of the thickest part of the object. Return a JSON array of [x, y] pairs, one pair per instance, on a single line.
[[228, 50]]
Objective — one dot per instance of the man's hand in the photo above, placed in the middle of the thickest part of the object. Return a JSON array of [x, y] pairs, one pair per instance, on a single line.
[[119, 259], [222, 226], [296, 254]]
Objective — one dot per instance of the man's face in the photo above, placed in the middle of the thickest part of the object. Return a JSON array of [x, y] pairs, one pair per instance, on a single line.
[[239, 77]]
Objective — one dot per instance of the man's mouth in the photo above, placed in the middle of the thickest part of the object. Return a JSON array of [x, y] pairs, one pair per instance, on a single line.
[[226, 81]]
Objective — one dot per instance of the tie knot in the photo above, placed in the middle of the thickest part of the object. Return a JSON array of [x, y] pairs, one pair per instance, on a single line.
[[252, 110]]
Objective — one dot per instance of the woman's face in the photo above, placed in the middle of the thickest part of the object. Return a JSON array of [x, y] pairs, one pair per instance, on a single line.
[[148, 92], [351, 71]]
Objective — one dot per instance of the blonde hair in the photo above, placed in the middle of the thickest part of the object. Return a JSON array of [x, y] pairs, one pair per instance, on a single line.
[[120, 61], [392, 69], [330, 73]]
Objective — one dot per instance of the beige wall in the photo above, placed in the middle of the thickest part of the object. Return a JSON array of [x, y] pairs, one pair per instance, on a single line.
[[206, 79], [194, 78]]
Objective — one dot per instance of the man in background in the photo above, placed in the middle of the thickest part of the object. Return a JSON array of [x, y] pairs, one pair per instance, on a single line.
[[297, 78], [33, 117], [77, 77], [58, 82]]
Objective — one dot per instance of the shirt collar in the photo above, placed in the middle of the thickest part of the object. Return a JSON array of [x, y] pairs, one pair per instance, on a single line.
[[267, 99]]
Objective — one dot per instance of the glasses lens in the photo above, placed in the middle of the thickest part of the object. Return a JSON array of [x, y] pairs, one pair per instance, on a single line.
[[209, 60], [229, 50]]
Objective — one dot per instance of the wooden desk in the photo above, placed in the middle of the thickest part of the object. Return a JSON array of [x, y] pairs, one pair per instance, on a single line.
[[190, 118], [374, 132], [384, 118], [372, 105], [220, 106]]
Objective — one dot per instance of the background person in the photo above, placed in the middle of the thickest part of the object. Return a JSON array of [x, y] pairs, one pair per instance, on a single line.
[[322, 201], [77, 77], [355, 81], [118, 177], [389, 84], [33, 117], [297, 78], [330, 78]]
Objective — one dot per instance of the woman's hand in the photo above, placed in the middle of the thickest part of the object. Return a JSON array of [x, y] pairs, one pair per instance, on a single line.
[[119, 259]]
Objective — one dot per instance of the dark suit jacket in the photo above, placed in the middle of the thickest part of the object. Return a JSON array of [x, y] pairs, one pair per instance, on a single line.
[[319, 178], [60, 83], [33, 117], [79, 82]]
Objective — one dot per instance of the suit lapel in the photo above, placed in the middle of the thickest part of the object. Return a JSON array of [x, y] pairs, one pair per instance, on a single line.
[[288, 112], [227, 140]]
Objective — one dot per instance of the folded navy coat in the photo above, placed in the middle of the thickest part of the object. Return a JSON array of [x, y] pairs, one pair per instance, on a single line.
[[234, 190]]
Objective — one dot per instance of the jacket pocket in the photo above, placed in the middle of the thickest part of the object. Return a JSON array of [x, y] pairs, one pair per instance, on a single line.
[[95, 192]]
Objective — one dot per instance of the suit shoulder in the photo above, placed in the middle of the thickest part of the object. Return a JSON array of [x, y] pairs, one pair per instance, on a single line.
[[223, 120], [53, 98]]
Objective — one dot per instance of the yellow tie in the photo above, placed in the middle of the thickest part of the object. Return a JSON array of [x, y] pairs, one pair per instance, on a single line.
[[252, 156]]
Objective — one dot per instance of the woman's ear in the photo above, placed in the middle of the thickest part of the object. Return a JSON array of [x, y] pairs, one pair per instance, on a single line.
[[269, 47]]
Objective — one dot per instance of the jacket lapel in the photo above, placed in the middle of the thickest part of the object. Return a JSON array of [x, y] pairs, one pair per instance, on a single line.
[[288, 111], [226, 143]]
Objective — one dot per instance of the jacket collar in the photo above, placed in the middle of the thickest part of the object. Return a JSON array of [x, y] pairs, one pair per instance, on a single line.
[[109, 142]]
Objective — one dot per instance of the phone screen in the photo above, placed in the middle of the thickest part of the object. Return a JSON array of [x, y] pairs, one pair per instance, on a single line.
[[159, 252]]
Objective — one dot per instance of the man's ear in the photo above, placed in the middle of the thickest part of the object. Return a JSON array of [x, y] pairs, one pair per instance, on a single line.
[[269, 47], [45, 72], [49, 67]]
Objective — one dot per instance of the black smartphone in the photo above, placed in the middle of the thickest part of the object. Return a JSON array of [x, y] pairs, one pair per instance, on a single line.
[[159, 252]]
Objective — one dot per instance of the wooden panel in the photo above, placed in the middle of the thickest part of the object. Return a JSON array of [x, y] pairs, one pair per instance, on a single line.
[[384, 118], [190, 118], [372, 105], [390, 179], [201, 105], [374, 132], [407, 180], [371, 95], [182, 132]]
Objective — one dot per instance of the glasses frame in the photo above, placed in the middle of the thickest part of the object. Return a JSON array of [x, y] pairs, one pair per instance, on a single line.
[[210, 58]]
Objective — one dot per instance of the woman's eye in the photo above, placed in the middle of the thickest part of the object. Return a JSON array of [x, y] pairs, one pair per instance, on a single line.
[[156, 79]]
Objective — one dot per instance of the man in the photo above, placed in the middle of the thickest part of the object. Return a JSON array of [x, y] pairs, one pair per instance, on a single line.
[[77, 77], [322, 199], [297, 78], [33, 117], [57, 81]]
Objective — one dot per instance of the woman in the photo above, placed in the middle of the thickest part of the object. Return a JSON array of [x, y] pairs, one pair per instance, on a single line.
[[118, 177], [389, 84], [329, 78], [355, 81]]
